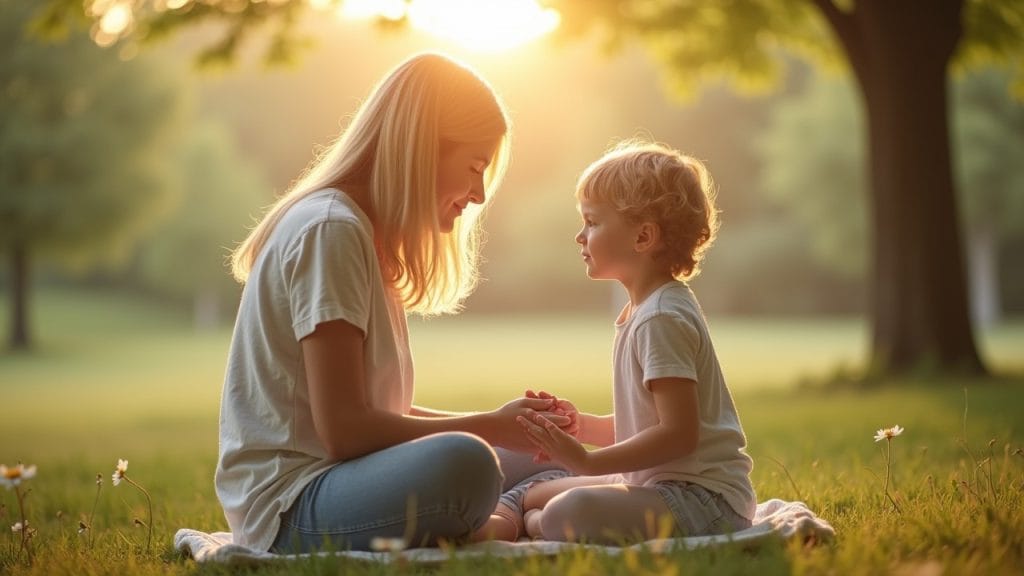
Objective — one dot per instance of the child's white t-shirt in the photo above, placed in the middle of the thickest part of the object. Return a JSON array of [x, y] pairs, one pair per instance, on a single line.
[[666, 337], [318, 265]]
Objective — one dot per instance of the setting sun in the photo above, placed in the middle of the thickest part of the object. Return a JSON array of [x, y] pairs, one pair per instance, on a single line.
[[481, 25]]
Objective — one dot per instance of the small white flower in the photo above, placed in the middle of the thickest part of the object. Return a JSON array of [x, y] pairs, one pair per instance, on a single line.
[[11, 477], [379, 544], [122, 467], [888, 433], [16, 528]]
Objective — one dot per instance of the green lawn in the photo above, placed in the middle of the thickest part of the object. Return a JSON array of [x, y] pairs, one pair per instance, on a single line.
[[117, 377]]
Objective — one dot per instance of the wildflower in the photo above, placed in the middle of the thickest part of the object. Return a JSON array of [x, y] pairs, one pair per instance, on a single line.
[[122, 467], [119, 474], [11, 477], [17, 527], [888, 433]]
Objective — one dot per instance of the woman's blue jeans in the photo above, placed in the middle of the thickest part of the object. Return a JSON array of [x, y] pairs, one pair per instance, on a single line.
[[440, 487]]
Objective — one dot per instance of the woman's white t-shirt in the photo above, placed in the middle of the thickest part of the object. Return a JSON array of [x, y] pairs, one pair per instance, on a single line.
[[665, 336], [318, 265]]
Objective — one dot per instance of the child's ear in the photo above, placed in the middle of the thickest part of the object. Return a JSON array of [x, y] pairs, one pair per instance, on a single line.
[[647, 237]]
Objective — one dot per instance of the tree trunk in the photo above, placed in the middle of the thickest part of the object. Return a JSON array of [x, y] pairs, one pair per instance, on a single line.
[[20, 268], [900, 52]]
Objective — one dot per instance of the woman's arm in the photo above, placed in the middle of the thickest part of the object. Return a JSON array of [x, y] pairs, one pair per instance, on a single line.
[[431, 413], [675, 435], [349, 427]]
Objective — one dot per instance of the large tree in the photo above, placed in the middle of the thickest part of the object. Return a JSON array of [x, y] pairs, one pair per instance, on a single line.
[[900, 52], [83, 138]]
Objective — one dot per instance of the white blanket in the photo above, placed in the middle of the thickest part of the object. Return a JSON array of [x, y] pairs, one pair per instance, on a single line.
[[774, 520]]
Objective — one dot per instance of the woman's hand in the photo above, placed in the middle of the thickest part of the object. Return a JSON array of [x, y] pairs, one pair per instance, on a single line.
[[561, 407], [555, 444], [507, 432]]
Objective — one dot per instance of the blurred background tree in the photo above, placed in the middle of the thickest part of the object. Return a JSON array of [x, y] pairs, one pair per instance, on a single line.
[[814, 165], [84, 145], [186, 256]]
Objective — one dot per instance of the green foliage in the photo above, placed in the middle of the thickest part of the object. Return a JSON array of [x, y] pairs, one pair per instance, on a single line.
[[814, 162], [988, 139], [187, 256], [84, 140], [993, 34], [739, 41], [743, 40]]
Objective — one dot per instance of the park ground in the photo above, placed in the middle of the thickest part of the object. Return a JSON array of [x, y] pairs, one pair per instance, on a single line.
[[120, 377]]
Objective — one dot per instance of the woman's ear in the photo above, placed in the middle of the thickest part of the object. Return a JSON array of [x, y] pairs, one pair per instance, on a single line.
[[647, 237]]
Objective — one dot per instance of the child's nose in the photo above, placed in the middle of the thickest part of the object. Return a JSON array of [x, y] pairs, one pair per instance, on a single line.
[[580, 238]]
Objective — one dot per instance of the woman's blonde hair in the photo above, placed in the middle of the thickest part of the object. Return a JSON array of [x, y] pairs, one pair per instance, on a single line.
[[648, 182], [391, 147]]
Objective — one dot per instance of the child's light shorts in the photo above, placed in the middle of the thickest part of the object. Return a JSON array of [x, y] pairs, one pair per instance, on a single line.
[[699, 511]]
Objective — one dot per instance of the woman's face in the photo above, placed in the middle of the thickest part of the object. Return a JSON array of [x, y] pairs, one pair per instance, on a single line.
[[460, 178]]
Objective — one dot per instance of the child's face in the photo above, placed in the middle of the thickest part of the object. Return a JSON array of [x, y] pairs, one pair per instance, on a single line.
[[460, 178], [607, 241]]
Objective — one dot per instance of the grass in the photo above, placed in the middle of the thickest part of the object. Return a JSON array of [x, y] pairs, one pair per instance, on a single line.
[[121, 378]]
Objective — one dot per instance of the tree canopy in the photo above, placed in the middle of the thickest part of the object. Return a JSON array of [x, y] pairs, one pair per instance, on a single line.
[[84, 139]]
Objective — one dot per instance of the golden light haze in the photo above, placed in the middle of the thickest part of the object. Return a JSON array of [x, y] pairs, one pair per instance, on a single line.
[[479, 25]]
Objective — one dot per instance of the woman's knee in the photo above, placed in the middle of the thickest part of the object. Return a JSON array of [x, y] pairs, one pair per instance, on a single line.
[[466, 466], [464, 461]]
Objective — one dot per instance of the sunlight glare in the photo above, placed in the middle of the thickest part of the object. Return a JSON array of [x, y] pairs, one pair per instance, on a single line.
[[484, 25], [116, 20], [364, 9], [480, 25]]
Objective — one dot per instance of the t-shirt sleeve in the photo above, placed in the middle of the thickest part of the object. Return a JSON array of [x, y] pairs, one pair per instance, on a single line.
[[328, 277], [667, 346]]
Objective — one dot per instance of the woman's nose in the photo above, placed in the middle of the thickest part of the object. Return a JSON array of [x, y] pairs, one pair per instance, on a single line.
[[478, 192]]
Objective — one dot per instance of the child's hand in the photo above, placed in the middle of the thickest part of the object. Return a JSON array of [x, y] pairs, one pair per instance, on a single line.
[[561, 407], [554, 444], [505, 429]]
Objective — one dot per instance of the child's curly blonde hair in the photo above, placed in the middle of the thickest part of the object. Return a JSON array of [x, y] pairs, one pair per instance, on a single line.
[[649, 182]]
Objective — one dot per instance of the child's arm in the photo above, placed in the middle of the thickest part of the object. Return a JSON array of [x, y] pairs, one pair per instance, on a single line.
[[597, 430], [675, 435]]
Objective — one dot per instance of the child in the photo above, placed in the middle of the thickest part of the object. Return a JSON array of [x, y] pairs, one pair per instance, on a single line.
[[674, 447]]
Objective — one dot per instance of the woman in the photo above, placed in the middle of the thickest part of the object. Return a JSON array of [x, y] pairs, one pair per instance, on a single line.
[[320, 444]]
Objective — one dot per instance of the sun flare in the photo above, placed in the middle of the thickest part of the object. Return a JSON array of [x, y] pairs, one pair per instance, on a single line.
[[480, 25]]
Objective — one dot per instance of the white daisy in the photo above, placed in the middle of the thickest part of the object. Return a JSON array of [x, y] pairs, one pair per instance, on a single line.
[[11, 477], [888, 433], [122, 467]]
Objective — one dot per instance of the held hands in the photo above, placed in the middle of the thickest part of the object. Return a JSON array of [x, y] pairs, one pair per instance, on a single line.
[[555, 444], [509, 433], [560, 407]]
